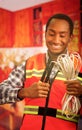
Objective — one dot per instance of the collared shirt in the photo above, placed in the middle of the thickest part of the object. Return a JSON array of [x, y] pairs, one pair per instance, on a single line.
[[9, 88]]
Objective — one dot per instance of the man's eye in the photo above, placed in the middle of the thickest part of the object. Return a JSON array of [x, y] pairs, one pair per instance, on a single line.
[[62, 35], [51, 34]]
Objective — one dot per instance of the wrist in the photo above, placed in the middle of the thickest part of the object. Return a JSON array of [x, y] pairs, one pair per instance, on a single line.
[[20, 94]]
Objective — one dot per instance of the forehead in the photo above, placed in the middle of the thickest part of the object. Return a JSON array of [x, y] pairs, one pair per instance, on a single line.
[[59, 25]]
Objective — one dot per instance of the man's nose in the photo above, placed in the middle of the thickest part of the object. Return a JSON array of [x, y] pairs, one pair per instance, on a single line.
[[56, 39]]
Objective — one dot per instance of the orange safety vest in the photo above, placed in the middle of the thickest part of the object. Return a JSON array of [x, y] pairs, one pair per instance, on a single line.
[[34, 70]]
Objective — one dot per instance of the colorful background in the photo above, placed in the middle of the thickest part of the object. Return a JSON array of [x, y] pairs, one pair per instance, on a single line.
[[22, 34]]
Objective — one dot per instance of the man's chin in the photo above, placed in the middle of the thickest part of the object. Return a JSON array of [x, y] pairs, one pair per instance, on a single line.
[[57, 53]]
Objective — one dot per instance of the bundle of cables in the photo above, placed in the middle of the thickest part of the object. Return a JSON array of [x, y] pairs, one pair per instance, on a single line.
[[70, 66]]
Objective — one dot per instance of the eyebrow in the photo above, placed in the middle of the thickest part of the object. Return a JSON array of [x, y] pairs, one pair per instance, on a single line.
[[59, 32]]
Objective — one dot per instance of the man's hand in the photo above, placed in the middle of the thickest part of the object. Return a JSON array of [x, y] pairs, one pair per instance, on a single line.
[[74, 87], [38, 89]]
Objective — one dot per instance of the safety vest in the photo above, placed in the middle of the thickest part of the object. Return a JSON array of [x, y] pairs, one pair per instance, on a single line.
[[34, 108]]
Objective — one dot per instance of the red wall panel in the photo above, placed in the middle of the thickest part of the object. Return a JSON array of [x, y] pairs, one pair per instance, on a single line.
[[6, 28], [22, 22]]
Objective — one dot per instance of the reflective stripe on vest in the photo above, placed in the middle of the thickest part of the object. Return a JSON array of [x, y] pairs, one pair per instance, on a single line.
[[36, 110]]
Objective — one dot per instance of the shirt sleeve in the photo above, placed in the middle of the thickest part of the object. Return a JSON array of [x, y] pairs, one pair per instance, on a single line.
[[9, 88]]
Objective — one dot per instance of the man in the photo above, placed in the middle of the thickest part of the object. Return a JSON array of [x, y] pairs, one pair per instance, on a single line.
[[38, 115]]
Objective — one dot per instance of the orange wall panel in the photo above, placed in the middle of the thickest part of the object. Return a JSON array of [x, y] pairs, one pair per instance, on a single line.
[[22, 20], [6, 31]]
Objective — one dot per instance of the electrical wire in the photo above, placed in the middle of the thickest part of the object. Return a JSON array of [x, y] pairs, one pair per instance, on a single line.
[[70, 66]]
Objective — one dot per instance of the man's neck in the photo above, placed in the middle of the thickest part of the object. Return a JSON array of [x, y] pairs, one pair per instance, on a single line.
[[55, 56]]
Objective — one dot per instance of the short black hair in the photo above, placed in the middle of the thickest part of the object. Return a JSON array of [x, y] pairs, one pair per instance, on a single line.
[[63, 17]]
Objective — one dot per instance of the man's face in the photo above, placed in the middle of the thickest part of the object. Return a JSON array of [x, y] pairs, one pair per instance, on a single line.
[[57, 36]]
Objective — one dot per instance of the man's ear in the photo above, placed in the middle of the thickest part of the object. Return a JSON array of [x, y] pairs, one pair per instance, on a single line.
[[71, 38], [70, 42]]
